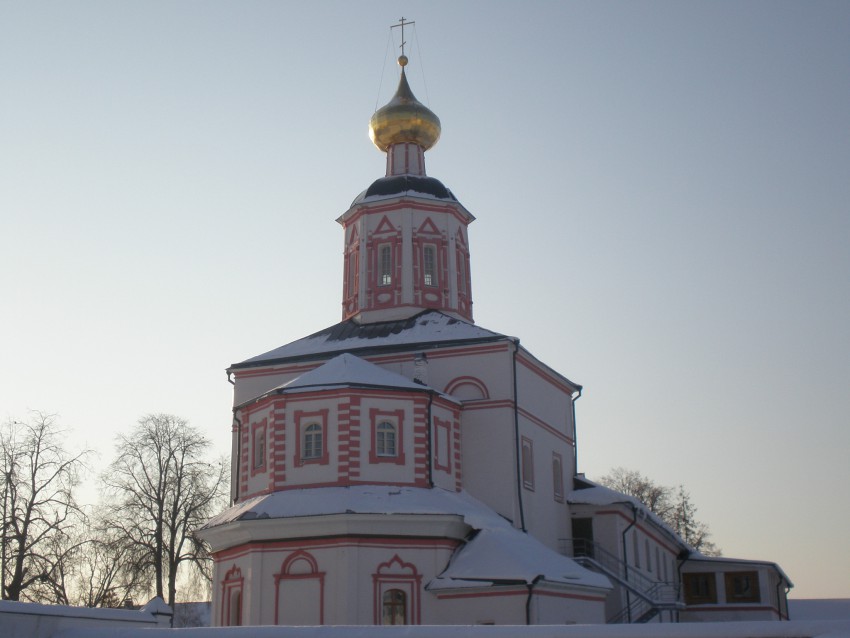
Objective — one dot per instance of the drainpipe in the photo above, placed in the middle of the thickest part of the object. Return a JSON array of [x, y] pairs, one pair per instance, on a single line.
[[626, 558], [429, 440], [234, 477], [234, 488], [575, 397], [683, 557], [528, 599], [517, 441], [779, 601]]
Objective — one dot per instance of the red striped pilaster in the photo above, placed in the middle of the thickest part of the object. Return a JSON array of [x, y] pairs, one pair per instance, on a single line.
[[278, 473]]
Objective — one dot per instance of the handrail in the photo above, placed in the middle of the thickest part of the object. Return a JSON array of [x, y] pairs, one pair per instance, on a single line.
[[652, 596]]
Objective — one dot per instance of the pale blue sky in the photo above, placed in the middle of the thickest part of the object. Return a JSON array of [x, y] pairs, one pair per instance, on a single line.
[[663, 201]]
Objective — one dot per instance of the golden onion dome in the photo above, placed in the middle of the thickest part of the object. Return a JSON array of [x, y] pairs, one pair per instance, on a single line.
[[404, 119]]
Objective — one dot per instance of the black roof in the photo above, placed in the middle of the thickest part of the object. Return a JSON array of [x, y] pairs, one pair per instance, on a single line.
[[403, 184]]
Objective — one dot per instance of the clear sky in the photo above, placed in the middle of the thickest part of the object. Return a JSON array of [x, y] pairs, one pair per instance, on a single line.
[[662, 193]]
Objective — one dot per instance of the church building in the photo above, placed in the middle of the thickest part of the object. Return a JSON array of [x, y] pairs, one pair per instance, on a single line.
[[408, 466]]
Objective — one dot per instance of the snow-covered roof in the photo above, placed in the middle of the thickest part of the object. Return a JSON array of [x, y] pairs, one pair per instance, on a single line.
[[347, 371], [697, 557], [503, 553], [597, 494], [426, 329], [499, 552], [361, 499]]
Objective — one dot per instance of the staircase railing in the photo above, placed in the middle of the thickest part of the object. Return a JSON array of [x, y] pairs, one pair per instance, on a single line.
[[651, 596]]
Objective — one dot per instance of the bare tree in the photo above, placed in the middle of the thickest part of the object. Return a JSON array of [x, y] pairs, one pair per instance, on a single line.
[[682, 518], [39, 510], [163, 488], [671, 505], [100, 573], [655, 497]]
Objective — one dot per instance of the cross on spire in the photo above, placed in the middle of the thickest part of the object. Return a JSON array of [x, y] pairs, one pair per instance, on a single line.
[[402, 24]]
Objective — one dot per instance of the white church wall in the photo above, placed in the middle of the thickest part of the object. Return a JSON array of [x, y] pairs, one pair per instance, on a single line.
[[489, 461], [253, 382], [502, 607], [553, 607], [335, 580]]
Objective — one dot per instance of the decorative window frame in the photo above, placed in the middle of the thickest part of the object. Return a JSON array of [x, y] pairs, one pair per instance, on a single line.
[[396, 418], [474, 382], [733, 580], [304, 419], [259, 439], [396, 574], [443, 444], [527, 463], [285, 574], [558, 477], [232, 585]]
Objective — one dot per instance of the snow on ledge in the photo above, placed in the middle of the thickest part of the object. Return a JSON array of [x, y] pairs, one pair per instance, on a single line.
[[753, 629]]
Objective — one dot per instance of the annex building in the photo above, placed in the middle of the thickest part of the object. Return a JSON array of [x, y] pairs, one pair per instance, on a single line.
[[408, 466]]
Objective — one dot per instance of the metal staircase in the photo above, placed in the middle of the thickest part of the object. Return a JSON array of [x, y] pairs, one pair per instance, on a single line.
[[647, 597]]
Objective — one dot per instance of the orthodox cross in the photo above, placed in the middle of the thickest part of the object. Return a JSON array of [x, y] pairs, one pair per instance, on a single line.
[[402, 23]]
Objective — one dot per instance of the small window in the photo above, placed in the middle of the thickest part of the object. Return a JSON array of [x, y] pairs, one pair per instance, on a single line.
[[742, 587], [312, 442], [394, 607], [385, 266], [527, 463], [700, 589], [385, 439], [636, 548], [429, 259]]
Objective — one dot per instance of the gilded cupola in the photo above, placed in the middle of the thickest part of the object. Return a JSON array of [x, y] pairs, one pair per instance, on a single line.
[[404, 119]]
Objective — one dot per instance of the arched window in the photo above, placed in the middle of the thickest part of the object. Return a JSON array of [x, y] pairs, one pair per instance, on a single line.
[[312, 448], [385, 439], [394, 610]]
